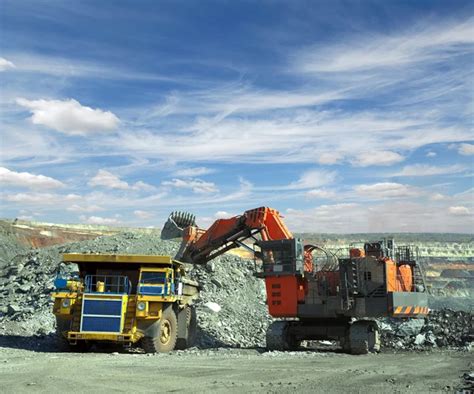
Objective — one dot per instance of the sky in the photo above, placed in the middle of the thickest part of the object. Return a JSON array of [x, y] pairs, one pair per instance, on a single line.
[[346, 116]]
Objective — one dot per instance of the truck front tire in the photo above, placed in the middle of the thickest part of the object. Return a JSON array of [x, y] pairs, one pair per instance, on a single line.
[[166, 333]]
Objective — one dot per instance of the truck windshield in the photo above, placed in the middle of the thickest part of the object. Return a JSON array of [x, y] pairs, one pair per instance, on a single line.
[[153, 278]]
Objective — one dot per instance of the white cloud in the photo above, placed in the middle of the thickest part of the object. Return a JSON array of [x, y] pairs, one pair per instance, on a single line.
[[369, 138], [193, 171], [329, 158], [459, 211], [25, 179], [196, 185], [97, 220], [386, 190], [69, 116], [144, 215], [41, 198], [106, 179], [438, 197], [5, 64], [377, 158], [466, 149], [431, 154], [142, 186], [387, 217], [312, 179], [427, 170], [84, 208], [320, 193], [222, 215]]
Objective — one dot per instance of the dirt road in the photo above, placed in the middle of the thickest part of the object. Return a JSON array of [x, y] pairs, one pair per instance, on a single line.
[[226, 370]]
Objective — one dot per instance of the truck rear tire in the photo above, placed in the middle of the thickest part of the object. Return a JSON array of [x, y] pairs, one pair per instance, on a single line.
[[189, 338], [166, 333]]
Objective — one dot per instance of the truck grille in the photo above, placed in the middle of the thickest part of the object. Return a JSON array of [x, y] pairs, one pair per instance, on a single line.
[[102, 314]]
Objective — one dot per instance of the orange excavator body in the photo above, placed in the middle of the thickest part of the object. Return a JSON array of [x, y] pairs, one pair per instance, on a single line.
[[377, 280]]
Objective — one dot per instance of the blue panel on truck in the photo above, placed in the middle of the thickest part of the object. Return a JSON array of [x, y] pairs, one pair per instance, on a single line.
[[101, 324], [152, 290], [102, 307]]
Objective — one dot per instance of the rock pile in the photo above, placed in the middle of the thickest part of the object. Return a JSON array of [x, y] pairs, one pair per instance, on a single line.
[[444, 328], [240, 318]]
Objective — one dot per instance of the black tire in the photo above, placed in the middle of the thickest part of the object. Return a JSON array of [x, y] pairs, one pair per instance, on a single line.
[[62, 325], [166, 334], [363, 338], [279, 338], [189, 339]]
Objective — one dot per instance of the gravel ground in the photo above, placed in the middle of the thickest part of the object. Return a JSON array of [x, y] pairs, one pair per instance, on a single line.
[[233, 370]]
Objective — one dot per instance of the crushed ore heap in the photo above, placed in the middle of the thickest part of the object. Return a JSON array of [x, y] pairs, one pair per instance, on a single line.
[[231, 309], [444, 328]]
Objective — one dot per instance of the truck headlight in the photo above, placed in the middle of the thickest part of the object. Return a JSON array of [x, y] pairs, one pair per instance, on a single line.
[[66, 303], [141, 306]]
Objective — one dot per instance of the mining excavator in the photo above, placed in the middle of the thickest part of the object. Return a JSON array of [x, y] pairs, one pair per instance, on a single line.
[[339, 298]]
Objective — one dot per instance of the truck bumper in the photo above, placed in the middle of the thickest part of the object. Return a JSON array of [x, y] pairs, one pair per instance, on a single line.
[[73, 336]]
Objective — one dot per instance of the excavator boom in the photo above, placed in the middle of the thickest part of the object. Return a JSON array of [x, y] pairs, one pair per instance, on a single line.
[[200, 246]]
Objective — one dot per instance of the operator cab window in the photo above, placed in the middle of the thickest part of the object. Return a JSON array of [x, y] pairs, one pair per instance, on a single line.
[[153, 278]]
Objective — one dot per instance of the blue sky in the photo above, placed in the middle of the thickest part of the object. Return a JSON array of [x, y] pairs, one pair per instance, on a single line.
[[346, 116]]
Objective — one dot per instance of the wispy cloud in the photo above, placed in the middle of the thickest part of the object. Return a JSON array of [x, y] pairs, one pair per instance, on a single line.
[[193, 171], [377, 51], [428, 170], [377, 158], [196, 185], [383, 190], [466, 149]]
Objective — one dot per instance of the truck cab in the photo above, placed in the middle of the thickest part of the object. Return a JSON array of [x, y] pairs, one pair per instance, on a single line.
[[125, 299]]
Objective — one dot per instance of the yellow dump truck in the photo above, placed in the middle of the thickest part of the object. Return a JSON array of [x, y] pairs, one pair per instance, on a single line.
[[126, 299]]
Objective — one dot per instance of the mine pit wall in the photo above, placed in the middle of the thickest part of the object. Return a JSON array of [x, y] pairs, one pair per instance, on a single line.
[[40, 235]]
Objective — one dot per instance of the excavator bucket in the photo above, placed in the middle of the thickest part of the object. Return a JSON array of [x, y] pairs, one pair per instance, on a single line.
[[176, 223]]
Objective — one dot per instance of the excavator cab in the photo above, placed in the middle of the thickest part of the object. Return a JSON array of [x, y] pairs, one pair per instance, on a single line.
[[284, 256]]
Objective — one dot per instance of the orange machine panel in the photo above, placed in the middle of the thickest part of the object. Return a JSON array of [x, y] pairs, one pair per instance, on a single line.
[[405, 278], [282, 295], [391, 273]]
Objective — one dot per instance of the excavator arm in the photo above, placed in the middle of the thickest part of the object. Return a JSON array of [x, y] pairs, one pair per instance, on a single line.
[[200, 246]]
